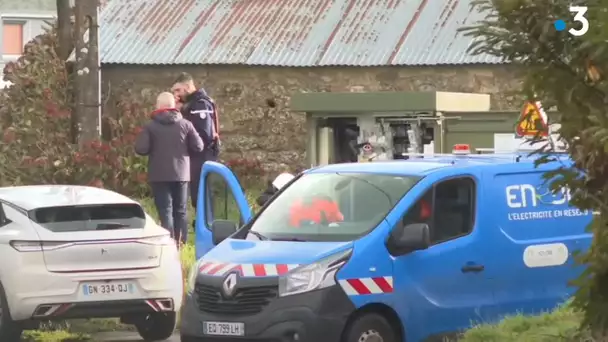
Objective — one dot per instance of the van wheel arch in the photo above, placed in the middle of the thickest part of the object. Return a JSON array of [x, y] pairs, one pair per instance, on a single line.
[[380, 309]]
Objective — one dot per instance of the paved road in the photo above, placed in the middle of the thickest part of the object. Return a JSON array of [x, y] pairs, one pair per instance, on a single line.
[[124, 337]]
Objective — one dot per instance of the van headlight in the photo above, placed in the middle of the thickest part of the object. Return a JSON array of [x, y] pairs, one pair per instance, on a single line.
[[318, 275], [191, 280]]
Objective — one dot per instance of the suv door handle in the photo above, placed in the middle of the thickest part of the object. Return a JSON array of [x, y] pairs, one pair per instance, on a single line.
[[472, 268]]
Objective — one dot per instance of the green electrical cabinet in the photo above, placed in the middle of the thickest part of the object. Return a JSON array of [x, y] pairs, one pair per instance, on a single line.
[[445, 118]]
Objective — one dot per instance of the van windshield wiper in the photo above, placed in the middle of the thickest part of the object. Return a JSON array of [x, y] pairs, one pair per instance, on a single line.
[[259, 235], [291, 239]]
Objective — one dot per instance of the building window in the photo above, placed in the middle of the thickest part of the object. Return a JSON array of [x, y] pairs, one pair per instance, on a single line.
[[12, 38]]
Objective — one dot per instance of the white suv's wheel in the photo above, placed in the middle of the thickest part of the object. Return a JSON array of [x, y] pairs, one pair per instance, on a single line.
[[157, 326], [9, 329]]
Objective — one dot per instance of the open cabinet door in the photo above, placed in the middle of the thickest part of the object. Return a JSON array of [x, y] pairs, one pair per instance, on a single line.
[[220, 197]]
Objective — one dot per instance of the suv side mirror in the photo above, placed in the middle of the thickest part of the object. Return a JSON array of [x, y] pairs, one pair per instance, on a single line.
[[221, 230], [409, 238]]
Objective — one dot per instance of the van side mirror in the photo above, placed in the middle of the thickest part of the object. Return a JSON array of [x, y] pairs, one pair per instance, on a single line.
[[409, 238], [221, 230]]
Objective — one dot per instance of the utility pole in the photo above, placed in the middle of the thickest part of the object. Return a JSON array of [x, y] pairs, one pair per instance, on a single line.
[[88, 106], [64, 29], [65, 35]]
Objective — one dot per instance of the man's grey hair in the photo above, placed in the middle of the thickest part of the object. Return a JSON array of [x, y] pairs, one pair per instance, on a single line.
[[165, 100]]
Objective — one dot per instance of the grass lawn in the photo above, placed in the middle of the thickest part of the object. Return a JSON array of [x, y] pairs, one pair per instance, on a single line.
[[559, 325], [54, 336]]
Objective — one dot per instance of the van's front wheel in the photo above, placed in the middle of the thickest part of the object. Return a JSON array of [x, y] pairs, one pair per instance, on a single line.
[[370, 328]]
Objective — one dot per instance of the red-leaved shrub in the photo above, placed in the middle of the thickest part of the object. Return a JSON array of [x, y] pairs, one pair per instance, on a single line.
[[35, 121]]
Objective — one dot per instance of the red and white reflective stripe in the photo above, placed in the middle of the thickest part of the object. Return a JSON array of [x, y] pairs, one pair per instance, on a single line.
[[246, 270], [367, 286], [216, 268], [265, 270]]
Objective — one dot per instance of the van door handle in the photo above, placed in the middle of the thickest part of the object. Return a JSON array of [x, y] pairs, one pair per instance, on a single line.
[[472, 268]]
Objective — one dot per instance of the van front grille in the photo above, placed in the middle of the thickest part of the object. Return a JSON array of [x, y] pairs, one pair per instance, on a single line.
[[245, 301]]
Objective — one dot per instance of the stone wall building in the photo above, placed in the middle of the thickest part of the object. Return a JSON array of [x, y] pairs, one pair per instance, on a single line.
[[246, 52]]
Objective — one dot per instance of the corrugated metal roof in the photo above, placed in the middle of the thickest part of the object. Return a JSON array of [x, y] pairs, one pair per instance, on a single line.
[[288, 32]]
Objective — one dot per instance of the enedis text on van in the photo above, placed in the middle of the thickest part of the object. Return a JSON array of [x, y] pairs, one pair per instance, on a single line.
[[527, 202]]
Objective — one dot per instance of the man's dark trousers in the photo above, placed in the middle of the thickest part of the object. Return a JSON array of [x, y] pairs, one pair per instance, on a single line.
[[196, 164], [171, 200]]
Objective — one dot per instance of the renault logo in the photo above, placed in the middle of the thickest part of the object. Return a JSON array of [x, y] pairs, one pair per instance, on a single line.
[[229, 285]]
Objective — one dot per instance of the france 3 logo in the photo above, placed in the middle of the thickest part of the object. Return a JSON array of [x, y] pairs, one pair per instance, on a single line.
[[579, 20]]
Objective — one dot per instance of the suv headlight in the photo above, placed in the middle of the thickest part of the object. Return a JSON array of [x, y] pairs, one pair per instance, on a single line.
[[191, 280], [318, 275]]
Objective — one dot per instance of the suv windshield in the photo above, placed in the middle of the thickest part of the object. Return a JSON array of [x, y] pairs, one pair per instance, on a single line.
[[330, 207]]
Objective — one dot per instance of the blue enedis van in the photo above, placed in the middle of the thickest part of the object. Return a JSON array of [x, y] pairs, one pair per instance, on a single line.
[[492, 241]]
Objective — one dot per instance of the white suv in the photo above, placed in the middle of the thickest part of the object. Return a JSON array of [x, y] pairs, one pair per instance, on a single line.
[[82, 252]]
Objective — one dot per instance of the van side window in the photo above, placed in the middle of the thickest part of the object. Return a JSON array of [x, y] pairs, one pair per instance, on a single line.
[[454, 209], [448, 208], [422, 211]]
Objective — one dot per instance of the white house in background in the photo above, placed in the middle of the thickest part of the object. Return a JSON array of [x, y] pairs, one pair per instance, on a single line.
[[21, 21]]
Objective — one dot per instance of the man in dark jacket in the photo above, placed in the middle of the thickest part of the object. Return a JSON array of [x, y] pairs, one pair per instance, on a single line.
[[199, 109], [168, 140]]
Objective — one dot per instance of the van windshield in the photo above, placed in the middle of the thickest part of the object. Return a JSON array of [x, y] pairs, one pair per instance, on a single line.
[[330, 207]]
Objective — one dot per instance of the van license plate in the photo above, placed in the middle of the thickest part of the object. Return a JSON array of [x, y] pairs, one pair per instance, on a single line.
[[224, 328]]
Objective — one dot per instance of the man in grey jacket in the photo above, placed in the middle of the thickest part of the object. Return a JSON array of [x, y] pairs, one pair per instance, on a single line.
[[168, 140]]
